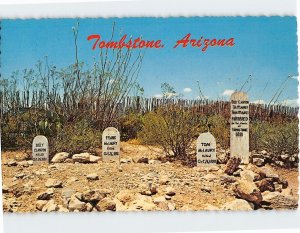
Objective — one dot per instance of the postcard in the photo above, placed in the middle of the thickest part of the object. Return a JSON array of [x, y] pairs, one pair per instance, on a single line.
[[149, 114]]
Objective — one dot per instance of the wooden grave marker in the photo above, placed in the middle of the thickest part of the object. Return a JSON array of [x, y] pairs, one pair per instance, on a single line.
[[239, 126]]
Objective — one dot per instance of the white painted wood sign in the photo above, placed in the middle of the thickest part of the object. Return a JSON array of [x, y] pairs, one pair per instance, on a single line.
[[239, 126]]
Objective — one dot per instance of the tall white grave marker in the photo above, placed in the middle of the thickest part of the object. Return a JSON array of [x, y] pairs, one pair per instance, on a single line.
[[239, 126], [40, 149], [110, 144], [206, 150]]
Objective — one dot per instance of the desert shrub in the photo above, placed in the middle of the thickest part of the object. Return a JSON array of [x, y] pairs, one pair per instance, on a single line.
[[276, 137], [175, 128], [19, 128], [76, 137], [172, 127], [10, 135], [130, 125], [257, 132], [220, 128]]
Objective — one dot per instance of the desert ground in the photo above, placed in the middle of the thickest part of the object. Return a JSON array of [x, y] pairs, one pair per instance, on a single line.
[[144, 180]]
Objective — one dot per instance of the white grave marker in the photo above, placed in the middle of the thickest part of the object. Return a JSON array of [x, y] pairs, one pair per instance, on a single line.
[[206, 150], [110, 144], [239, 128], [40, 149]]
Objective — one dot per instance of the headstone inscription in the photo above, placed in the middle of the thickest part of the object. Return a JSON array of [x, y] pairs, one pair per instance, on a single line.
[[239, 126], [110, 144], [40, 149], [206, 150]]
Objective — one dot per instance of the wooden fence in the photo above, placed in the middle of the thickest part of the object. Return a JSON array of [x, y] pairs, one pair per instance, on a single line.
[[17, 101]]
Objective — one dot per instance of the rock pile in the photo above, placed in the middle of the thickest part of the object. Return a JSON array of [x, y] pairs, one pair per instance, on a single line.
[[100, 200], [64, 157], [282, 160], [259, 186]]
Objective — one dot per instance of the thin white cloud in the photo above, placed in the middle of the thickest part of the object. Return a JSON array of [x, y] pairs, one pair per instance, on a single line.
[[187, 90], [258, 102], [290, 102], [227, 92], [158, 96], [295, 77]]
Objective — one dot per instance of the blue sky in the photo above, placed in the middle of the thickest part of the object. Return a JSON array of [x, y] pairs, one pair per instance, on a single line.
[[265, 47]]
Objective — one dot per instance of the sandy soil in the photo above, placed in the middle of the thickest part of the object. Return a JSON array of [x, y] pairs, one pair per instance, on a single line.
[[192, 192]]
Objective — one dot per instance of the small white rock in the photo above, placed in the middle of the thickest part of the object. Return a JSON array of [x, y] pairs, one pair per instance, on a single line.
[[60, 157], [92, 176], [53, 183]]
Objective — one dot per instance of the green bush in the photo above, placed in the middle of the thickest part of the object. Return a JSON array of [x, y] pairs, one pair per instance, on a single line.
[[173, 128], [19, 130], [220, 128], [130, 125], [276, 137], [76, 137]]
